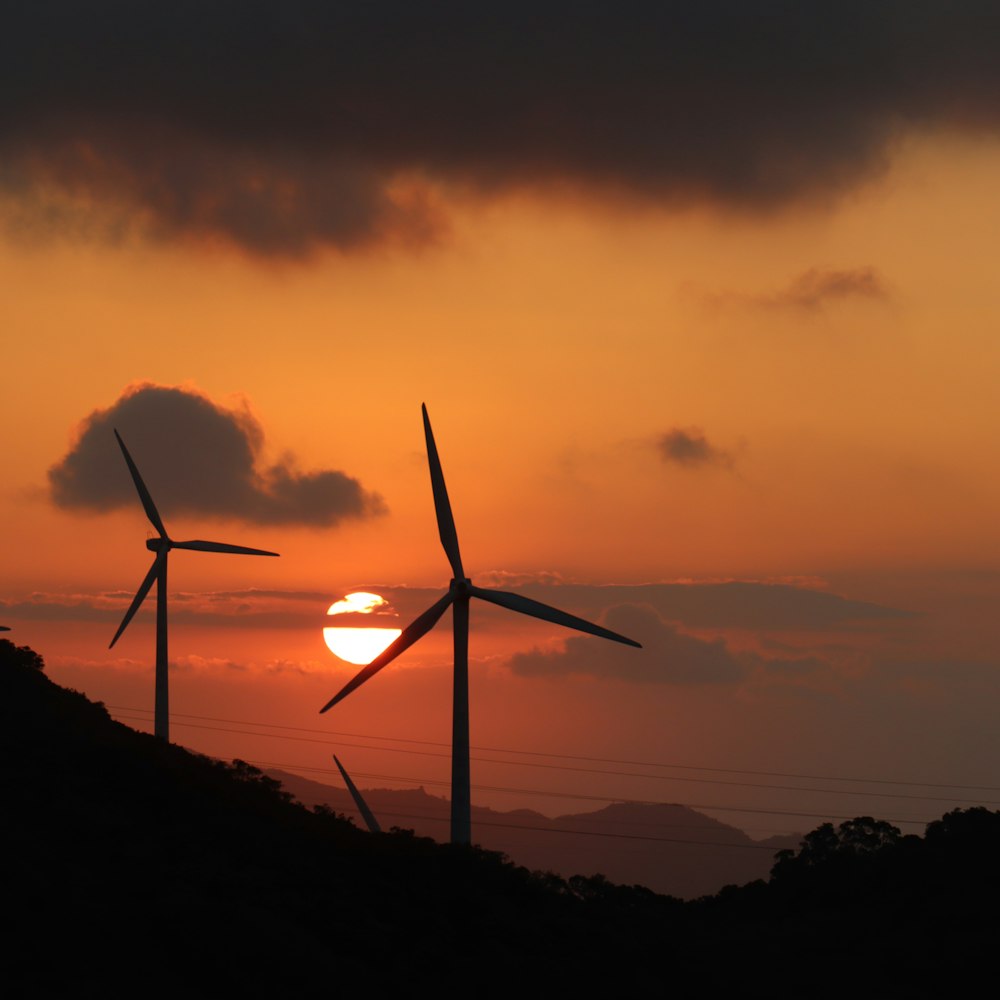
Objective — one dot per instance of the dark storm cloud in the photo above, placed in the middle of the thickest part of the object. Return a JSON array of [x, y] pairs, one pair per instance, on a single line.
[[688, 447], [668, 656], [196, 457], [281, 127]]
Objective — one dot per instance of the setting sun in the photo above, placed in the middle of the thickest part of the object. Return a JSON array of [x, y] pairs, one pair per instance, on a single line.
[[358, 645]]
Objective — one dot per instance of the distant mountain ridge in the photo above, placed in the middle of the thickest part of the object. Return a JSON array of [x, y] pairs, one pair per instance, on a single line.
[[668, 848]]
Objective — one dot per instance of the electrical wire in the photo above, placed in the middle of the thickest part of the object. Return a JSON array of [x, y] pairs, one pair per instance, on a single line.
[[588, 770], [594, 798], [595, 760]]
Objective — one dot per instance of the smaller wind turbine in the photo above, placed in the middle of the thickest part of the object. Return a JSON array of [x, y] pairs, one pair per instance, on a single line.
[[158, 572], [366, 814]]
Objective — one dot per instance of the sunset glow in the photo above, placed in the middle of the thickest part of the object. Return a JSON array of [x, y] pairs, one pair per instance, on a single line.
[[709, 338], [358, 645]]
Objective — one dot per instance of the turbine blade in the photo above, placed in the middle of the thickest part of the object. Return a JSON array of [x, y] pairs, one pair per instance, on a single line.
[[442, 506], [240, 550], [366, 814], [517, 602], [417, 628], [147, 501], [140, 595]]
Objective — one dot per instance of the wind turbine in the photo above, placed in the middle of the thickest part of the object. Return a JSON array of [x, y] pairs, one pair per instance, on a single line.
[[359, 800], [459, 594], [158, 572]]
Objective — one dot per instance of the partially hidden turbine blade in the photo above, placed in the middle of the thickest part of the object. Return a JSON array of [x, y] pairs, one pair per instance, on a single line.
[[442, 506], [417, 628], [147, 501], [517, 602], [240, 550], [359, 800], [140, 594]]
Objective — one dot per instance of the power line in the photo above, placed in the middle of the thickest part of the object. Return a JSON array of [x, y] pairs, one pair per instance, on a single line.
[[589, 770], [526, 791], [593, 833], [595, 760], [522, 791], [671, 777], [590, 798]]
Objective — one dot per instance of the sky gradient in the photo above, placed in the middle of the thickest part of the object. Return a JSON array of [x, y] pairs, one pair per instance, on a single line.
[[702, 305]]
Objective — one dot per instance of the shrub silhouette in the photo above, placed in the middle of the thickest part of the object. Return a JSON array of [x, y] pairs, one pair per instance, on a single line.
[[19, 656]]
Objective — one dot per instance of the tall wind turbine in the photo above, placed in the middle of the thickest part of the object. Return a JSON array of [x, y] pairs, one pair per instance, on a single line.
[[158, 572], [459, 593]]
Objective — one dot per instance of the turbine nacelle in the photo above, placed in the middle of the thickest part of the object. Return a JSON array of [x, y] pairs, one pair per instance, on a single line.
[[159, 544]]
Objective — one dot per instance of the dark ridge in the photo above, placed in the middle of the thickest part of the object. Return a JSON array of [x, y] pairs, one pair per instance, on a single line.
[[134, 866], [131, 862]]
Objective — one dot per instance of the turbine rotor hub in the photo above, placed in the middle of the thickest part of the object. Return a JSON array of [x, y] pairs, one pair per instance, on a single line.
[[158, 544], [461, 587]]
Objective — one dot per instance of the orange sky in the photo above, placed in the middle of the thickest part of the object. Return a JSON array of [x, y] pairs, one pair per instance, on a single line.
[[838, 359]]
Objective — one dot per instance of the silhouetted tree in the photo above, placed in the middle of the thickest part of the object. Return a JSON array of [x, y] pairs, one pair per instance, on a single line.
[[854, 838], [254, 776], [19, 656], [973, 829], [864, 835]]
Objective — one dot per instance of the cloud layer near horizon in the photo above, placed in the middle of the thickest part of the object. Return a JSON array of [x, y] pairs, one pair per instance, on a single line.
[[668, 656], [197, 457], [760, 606], [282, 128]]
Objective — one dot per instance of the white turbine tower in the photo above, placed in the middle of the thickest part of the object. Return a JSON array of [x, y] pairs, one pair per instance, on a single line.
[[459, 593], [158, 573]]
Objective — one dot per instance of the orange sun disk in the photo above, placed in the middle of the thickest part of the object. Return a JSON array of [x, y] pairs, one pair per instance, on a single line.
[[358, 645]]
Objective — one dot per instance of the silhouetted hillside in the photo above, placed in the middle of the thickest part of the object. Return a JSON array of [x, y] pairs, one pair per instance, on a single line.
[[135, 867], [864, 908], [128, 861], [668, 848]]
